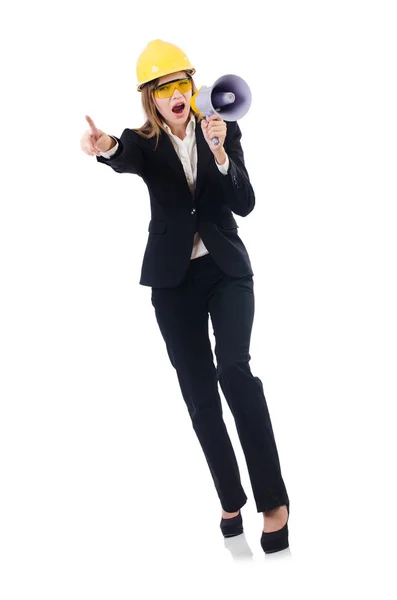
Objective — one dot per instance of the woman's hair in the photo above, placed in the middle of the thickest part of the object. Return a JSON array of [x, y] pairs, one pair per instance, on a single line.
[[154, 123]]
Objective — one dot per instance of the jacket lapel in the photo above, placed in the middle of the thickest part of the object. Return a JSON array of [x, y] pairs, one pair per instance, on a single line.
[[170, 155], [204, 156]]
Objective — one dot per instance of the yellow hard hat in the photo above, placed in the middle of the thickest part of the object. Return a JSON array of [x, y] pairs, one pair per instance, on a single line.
[[160, 58]]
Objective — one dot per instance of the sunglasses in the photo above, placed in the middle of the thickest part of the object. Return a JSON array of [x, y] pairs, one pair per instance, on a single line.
[[166, 90]]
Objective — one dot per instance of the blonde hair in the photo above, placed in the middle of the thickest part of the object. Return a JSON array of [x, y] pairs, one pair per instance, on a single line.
[[154, 120]]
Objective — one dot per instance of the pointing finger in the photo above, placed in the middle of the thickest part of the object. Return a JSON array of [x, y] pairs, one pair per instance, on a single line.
[[92, 125]]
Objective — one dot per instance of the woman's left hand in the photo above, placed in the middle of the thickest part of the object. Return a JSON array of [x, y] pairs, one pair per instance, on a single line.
[[212, 127]]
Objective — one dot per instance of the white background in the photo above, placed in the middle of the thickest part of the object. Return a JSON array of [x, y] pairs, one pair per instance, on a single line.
[[105, 492]]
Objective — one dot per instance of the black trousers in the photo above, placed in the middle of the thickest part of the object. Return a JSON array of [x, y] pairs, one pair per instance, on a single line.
[[182, 315]]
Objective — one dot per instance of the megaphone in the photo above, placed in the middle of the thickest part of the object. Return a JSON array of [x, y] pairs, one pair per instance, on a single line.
[[229, 97]]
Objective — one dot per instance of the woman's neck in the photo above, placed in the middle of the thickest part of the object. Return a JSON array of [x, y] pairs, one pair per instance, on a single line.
[[179, 130]]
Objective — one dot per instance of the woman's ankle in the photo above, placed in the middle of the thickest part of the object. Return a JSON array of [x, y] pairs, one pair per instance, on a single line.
[[227, 515]]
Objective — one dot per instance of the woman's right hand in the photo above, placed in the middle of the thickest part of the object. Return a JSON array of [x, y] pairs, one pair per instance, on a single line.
[[94, 141]]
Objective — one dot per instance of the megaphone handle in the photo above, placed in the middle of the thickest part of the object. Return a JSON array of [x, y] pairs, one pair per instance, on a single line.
[[215, 140]]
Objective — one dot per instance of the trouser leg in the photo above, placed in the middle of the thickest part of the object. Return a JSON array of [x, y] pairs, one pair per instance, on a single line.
[[232, 313], [183, 321]]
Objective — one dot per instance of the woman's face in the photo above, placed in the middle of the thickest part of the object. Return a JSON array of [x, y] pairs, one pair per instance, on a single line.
[[165, 106]]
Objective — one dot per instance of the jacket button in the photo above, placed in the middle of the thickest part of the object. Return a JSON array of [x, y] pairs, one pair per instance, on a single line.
[[192, 211]]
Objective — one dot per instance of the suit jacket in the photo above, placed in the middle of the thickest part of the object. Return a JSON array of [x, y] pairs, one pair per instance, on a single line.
[[176, 213]]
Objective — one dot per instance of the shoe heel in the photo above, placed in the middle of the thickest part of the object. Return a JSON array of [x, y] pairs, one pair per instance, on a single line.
[[274, 541], [232, 527]]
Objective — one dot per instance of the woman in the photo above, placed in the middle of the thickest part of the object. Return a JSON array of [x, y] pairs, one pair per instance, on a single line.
[[197, 265]]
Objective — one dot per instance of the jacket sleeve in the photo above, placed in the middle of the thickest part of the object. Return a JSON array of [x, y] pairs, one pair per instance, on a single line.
[[128, 157], [238, 192]]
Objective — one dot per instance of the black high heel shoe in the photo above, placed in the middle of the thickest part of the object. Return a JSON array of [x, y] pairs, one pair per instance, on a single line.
[[233, 526], [274, 541]]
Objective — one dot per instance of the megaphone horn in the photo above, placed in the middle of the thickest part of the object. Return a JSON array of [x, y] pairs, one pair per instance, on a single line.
[[230, 97]]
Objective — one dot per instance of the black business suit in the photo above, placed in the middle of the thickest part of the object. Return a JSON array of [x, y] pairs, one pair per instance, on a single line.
[[185, 292]]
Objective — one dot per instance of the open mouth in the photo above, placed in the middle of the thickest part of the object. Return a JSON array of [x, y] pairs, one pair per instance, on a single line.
[[178, 108]]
